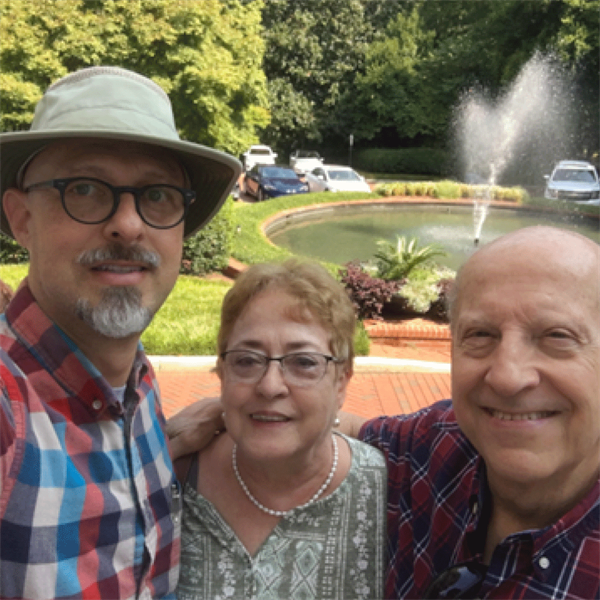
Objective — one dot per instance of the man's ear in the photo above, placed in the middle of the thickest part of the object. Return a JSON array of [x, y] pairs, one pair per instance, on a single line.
[[18, 214]]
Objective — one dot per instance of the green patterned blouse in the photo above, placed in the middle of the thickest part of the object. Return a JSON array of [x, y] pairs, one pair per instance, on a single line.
[[333, 549]]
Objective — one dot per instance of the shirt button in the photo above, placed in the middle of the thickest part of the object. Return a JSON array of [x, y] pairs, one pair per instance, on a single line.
[[97, 404], [544, 562]]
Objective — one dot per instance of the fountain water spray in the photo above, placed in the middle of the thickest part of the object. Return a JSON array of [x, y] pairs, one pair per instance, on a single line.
[[528, 124]]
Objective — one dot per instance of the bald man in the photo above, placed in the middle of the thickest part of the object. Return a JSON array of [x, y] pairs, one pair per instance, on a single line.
[[495, 494]]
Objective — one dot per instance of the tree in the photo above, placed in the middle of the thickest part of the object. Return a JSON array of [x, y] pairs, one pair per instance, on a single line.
[[315, 49], [578, 43], [393, 91], [207, 56]]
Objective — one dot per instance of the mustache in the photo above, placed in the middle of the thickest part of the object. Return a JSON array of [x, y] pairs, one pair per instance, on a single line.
[[119, 252]]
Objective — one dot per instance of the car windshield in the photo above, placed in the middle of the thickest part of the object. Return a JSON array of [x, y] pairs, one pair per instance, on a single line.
[[278, 173], [343, 175], [581, 175], [307, 154], [260, 151]]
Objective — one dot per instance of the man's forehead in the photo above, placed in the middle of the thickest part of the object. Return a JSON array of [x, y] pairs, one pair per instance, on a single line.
[[549, 260]]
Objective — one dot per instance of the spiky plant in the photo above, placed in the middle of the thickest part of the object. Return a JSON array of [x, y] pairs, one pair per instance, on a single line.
[[396, 261]]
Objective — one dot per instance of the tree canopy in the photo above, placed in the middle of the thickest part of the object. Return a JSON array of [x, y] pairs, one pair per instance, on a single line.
[[206, 55], [304, 73]]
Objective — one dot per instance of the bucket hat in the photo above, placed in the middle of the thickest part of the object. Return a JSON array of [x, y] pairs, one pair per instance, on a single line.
[[116, 104]]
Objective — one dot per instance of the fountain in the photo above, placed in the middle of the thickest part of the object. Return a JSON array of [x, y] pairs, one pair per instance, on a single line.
[[529, 125], [515, 137]]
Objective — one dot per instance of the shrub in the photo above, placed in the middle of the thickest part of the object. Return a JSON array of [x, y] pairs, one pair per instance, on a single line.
[[368, 294], [439, 307], [418, 161], [210, 248], [397, 261], [447, 189], [362, 343]]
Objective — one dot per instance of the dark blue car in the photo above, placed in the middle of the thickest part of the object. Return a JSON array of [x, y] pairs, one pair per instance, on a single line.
[[270, 181]]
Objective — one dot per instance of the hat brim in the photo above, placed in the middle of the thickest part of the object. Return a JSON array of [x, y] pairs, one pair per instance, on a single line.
[[212, 173]]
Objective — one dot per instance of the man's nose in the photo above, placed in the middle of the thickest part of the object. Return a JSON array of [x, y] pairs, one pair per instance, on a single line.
[[126, 223], [512, 368]]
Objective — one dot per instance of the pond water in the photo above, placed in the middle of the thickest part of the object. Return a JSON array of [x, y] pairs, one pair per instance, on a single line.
[[351, 234]]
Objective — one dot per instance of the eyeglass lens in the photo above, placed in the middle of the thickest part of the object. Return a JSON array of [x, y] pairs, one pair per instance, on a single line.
[[461, 581], [302, 368], [92, 201]]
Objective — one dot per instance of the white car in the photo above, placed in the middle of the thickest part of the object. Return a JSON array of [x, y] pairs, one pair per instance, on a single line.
[[573, 180], [336, 178], [258, 155], [304, 161]]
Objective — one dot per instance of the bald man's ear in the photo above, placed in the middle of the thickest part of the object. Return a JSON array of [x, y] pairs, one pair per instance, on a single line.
[[18, 214]]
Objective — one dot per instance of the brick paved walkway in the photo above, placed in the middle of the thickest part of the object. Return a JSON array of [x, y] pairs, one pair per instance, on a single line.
[[374, 390]]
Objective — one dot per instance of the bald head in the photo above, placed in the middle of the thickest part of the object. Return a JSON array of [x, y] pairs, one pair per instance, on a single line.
[[557, 254]]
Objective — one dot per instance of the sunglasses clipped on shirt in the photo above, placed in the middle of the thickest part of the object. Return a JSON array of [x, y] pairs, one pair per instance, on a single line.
[[462, 581]]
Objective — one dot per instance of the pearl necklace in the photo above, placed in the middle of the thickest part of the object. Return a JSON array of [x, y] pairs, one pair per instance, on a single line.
[[283, 513]]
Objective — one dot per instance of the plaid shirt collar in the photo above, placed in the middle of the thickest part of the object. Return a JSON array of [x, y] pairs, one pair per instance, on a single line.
[[51, 346]]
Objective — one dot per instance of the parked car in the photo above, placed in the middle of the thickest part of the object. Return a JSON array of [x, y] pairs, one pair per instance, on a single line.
[[303, 161], [258, 155], [573, 180], [270, 181], [336, 178]]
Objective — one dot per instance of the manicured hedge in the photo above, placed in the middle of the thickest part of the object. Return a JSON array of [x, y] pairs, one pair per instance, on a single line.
[[417, 161]]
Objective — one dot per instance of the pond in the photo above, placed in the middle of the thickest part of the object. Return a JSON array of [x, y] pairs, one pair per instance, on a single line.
[[347, 234]]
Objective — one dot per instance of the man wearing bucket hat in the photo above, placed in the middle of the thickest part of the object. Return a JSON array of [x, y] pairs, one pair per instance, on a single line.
[[102, 192]]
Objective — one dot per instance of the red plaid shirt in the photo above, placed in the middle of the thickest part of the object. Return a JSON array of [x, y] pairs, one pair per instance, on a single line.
[[437, 497], [87, 504]]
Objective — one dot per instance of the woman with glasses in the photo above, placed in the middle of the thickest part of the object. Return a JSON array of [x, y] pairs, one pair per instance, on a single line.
[[280, 506]]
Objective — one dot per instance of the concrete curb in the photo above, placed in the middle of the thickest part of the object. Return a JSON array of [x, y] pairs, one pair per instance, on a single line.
[[362, 364]]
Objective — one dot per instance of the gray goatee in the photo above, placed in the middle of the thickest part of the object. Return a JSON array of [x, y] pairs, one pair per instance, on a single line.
[[119, 313]]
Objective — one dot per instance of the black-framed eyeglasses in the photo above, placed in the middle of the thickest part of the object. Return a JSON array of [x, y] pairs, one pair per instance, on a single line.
[[461, 581], [92, 201], [301, 369]]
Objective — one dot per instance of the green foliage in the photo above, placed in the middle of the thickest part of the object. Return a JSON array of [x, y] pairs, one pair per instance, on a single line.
[[447, 189], [426, 292], [11, 252], [425, 161], [207, 56], [209, 250], [396, 261], [315, 49], [362, 343], [452, 190], [394, 89]]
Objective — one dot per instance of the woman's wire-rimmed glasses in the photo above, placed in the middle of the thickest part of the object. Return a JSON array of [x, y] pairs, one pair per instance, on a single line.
[[462, 581], [92, 201], [301, 369]]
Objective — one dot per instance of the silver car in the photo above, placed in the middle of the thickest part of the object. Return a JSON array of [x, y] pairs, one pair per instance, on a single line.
[[573, 180], [336, 178]]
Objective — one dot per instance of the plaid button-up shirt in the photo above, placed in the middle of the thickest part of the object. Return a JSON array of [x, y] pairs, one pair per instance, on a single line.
[[88, 502], [437, 497]]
